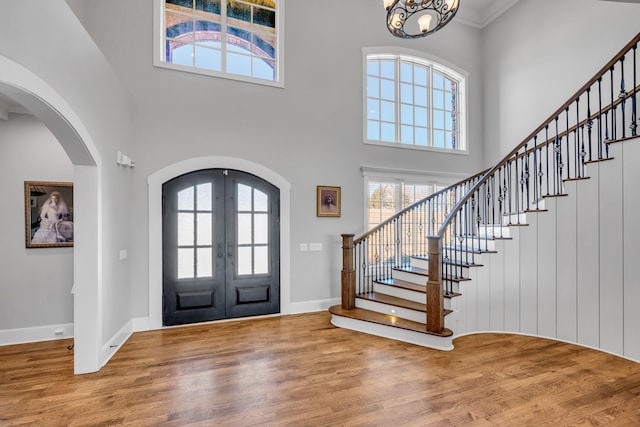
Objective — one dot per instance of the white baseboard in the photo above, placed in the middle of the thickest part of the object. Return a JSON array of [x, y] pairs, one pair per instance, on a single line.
[[116, 342], [36, 334], [312, 306], [141, 324]]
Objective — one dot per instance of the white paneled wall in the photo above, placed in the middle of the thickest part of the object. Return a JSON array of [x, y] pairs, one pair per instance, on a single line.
[[631, 249], [573, 273]]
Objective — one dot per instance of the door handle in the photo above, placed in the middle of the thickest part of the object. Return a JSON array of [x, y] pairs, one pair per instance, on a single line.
[[229, 249], [220, 250]]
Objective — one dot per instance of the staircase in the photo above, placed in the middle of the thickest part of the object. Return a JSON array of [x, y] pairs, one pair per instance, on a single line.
[[539, 244]]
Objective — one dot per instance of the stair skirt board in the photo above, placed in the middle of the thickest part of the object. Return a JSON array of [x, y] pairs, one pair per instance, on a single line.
[[404, 335]]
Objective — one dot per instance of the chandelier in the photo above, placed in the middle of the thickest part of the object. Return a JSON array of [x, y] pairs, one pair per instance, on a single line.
[[410, 19]]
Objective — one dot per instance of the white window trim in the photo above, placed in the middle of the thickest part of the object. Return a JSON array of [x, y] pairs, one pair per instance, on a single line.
[[158, 50], [437, 64], [370, 173]]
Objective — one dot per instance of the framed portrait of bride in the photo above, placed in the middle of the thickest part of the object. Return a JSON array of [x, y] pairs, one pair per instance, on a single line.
[[48, 208]]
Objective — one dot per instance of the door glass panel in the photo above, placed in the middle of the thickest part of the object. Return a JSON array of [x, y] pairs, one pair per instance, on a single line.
[[204, 197], [244, 229], [244, 197], [205, 264], [185, 199], [185, 263], [261, 264], [185, 229], [260, 201], [244, 260], [261, 230], [205, 234]]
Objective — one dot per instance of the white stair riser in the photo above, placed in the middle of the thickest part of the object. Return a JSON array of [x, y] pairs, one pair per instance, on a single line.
[[514, 219], [403, 313], [494, 231], [420, 263], [469, 243], [401, 293], [410, 277], [424, 264]]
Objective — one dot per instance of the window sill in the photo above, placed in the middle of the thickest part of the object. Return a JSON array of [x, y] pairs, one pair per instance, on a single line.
[[228, 76], [416, 147]]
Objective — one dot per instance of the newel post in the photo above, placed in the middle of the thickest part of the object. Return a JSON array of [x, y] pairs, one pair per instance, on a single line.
[[348, 273], [435, 297]]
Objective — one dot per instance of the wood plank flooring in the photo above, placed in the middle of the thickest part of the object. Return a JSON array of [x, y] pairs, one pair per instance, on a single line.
[[301, 371]]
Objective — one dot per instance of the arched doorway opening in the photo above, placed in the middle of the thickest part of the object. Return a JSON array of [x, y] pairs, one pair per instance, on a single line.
[[156, 181], [34, 94]]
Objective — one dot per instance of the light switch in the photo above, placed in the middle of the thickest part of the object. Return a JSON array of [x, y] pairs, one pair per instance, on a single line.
[[123, 254], [304, 247]]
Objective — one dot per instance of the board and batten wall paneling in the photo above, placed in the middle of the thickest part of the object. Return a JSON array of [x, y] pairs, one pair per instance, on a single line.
[[547, 270], [588, 257], [611, 251], [512, 281], [566, 266], [631, 194], [529, 276]]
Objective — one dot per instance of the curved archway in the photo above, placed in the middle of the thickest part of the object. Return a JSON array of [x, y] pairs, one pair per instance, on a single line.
[[155, 182], [51, 109]]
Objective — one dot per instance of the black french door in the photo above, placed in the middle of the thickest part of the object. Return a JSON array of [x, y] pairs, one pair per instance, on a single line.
[[221, 247]]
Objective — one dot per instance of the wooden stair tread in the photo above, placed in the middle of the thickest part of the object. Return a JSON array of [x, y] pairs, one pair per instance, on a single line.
[[386, 320], [394, 301], [403, 284]]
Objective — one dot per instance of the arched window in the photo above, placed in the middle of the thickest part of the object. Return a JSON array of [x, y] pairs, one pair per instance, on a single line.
[[236, 39], [413, 101]]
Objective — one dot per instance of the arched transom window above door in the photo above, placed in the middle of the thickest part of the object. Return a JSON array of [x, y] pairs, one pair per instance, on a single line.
[[236, 39]]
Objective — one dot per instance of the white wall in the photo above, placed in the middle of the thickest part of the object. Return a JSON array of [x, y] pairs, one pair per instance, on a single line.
[[310, 132], [35, 284], [532, 69], [46, 38]]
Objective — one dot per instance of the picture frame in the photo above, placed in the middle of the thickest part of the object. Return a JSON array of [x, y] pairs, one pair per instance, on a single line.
[[48, 213], [328, 201]]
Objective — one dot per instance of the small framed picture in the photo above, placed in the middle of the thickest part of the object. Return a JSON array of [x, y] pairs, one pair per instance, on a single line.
[[48, 214], [328, 201]]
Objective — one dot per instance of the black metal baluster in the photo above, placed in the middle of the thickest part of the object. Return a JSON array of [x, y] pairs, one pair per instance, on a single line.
[[526, 176], [589, 121], [558, 150], [517, 195], [576, 143], [583, 152], [623, 97], [546, 143], [566, 113], [500, 199], [600, 118], [634, 124], [535, 171], [613, 110]]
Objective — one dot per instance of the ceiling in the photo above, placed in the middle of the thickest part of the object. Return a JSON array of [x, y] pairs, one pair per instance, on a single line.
[[480, 13]]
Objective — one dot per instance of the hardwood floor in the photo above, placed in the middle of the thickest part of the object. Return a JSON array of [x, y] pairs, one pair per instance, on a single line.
[[301, 371]]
